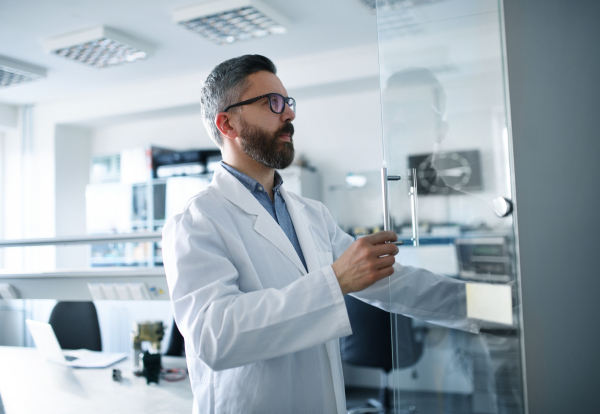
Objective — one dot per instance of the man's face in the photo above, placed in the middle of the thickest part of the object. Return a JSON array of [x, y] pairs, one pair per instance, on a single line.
[[266, 147], [265, 136]]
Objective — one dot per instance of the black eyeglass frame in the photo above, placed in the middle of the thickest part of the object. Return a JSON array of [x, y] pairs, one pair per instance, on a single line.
[[268, 95]]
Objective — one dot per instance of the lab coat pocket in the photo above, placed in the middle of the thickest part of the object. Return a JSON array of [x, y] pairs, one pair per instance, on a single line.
[[325, 258]]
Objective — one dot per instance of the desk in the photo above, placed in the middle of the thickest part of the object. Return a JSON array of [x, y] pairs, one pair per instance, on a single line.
[[30, 385]]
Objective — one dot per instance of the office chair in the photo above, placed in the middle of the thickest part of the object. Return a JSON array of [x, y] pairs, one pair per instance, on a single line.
[[370, 345], [76, 325], [176, 343]]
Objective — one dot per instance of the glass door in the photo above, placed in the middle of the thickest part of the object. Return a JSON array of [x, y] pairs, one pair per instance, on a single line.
[[448, 194]]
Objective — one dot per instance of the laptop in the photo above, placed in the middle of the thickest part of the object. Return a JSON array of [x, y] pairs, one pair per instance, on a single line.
[[46, 342]]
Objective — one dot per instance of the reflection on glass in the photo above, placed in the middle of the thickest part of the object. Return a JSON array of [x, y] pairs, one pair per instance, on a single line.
[[356, 204], [444, 117]]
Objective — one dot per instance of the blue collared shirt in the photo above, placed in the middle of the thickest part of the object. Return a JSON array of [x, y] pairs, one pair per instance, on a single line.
[[276, 208]]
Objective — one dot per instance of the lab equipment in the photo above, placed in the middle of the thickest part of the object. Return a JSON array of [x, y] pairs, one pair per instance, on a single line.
[[152, 367], [486, 259], [188, 162], [116, 375], [105, 169], [151, 331], [447, 172]]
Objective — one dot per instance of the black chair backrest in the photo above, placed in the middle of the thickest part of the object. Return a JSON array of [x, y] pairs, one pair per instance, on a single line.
[[406, 348], [373, 333], [76, 325], [176, 342]]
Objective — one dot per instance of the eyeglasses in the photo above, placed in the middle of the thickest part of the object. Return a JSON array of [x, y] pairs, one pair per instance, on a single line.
[[276, 102]]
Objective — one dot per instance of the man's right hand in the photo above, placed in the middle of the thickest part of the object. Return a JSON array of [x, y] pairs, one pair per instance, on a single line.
[[366, 261]]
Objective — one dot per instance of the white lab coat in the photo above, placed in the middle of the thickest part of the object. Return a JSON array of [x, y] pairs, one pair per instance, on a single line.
[[261, 333]]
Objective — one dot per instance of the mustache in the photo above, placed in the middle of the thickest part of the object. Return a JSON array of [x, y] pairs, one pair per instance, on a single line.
[[286, 129]]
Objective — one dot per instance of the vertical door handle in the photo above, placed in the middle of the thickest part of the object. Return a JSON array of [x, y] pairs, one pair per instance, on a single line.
[[386, 210], [414, 204]]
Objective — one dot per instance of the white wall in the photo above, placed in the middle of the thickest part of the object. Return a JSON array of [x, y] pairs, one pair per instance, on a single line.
[[12, 167], [335, 133], [175, 131], [9, 116]]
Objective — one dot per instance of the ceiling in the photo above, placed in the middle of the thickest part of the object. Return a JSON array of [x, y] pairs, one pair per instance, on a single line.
[[316, 26]]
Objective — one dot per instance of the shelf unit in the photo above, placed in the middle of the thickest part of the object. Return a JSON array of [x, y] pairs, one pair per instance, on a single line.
[[141, 207]]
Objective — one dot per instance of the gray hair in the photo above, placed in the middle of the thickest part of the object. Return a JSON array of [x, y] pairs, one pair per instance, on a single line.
[[225, 85]]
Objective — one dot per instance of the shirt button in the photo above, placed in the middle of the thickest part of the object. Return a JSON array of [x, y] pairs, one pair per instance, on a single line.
[[260, 188]]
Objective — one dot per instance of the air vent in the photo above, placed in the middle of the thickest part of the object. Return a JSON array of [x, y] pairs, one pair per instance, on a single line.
[[229, 21], [13, 72], [99, 47], [383, 4]]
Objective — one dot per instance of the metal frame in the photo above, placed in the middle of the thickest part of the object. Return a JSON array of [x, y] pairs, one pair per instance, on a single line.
[[100, 239], [72, 284]]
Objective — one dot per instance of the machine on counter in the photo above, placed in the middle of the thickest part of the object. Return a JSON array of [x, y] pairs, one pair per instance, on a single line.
[[150, 331]]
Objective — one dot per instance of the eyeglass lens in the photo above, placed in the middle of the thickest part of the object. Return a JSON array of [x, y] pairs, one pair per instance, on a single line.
[[277, 103]]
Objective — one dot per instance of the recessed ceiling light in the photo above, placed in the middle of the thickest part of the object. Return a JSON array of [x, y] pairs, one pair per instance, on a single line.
[[13, 72], [229, 21], [387, 4], [99, 46]]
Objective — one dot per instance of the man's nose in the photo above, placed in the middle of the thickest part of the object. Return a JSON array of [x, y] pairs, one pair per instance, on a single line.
[[288, 115]]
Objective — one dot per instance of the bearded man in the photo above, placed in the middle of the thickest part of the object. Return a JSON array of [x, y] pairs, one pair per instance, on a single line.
[[257, 275]]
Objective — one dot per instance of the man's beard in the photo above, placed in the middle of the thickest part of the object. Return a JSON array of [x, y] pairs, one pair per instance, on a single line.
[[263, 147]]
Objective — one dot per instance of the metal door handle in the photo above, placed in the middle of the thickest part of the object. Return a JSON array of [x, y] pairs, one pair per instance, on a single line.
[[386, 211], [414, 203], [502, 206]]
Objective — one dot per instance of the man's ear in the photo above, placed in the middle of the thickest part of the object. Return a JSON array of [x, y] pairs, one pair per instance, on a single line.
[[223, 123]]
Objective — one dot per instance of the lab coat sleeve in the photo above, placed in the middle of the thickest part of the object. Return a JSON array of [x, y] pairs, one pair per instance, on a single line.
[[421, 294], [226, 327], [410, 291]]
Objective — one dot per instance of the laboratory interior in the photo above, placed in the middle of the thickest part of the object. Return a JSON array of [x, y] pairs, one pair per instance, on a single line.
[[468, 127]]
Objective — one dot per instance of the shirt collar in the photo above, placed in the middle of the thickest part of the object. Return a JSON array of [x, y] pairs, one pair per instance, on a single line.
[[250, 183]]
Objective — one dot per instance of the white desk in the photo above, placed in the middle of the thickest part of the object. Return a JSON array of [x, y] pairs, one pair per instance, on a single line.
[[30, 385]]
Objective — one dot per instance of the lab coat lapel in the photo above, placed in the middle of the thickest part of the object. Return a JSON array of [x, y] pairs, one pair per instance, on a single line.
[[301, 225], [231, 188]]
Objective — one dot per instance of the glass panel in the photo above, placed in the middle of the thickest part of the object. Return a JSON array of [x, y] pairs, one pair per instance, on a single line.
[[445, 132]]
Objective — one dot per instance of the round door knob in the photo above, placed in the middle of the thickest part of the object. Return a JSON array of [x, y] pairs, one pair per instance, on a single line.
[[502, 206]]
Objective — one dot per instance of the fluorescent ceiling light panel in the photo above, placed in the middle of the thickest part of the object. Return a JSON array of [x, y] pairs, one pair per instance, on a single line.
[[13, 72], [355, 180], [228, 21], [99, 46], [386, 4]]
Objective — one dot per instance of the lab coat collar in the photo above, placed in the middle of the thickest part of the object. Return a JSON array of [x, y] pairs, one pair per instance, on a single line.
[[234, 191]]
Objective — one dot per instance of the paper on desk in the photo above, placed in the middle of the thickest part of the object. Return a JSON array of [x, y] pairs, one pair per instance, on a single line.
[[437, 258], [93, 359], [490, 302]]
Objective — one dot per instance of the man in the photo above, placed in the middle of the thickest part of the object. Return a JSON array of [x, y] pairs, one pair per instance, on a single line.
[[257, 275]]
